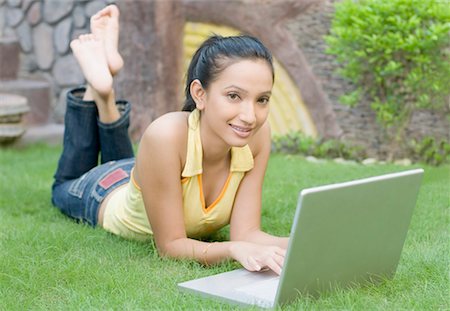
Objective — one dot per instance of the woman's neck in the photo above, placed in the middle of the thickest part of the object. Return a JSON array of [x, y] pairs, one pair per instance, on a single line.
[[215, 151]]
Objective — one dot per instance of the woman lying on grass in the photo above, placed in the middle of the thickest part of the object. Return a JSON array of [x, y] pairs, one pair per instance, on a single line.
[[196, 170]]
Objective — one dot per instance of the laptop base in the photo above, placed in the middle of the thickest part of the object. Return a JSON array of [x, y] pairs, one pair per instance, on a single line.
[[238, 286]]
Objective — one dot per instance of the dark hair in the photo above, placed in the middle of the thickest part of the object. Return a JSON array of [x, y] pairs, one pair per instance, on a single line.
[[211, 58]]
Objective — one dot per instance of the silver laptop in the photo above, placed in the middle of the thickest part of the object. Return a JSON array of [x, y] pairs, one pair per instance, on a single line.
[[343, 235]]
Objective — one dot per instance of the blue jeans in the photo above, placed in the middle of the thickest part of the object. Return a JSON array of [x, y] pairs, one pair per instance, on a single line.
[[80, 183]]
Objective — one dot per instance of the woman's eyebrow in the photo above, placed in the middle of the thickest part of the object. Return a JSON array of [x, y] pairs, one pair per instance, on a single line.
[[236, 87], [269, 93]]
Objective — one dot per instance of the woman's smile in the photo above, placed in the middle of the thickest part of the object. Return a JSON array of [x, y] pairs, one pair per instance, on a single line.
[[243, 132]]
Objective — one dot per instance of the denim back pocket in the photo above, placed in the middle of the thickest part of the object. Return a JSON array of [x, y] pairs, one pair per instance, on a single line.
[[78, 186]]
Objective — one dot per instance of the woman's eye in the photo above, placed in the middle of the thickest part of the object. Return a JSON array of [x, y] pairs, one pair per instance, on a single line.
[[263, 101], [233, 96]]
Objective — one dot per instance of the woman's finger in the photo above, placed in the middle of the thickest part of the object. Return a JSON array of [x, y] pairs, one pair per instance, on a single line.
[[279, 260], [280, 251], [273, 265], [253, 264]]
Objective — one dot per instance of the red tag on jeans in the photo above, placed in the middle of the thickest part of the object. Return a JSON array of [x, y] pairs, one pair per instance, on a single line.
[[112, 178]]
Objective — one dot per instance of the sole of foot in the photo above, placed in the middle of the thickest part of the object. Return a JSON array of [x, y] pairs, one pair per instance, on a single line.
[[89, 52], [105, 25]]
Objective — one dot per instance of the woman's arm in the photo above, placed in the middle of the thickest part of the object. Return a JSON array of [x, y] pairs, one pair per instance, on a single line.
[[159, 163], [245, 221]]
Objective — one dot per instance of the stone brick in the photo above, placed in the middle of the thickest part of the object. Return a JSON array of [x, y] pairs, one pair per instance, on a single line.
[[26, 4], [9, 58], [43, 46], [79, 19], [55, 10], [77, 32], [2, 19], [14, 16], [34, 15], [24, 35], [8, 32], [37, 94], [94, 6], [14, 3], [62, 35], [28, 63], [67, 72]]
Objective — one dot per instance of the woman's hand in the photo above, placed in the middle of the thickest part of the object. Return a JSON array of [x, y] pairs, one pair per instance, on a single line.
[[255, 257]]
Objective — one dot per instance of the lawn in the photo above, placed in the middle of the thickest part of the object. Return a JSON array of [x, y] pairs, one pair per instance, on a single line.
[[48, 262]]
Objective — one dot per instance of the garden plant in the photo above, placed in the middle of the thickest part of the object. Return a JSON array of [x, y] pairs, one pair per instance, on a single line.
[[396, 53]]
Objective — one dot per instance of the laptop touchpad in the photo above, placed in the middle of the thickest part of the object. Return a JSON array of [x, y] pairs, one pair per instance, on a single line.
[[265, 289]]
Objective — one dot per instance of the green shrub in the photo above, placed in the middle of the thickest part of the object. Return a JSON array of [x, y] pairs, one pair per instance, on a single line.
[[298, 143], [397, 53], [430, 151]]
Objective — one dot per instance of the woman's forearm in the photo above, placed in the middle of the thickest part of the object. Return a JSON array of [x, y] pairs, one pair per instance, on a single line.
[[253, 256], [204, 252]]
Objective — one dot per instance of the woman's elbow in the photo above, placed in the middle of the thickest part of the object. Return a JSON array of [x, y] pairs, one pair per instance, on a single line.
[[169, 249]]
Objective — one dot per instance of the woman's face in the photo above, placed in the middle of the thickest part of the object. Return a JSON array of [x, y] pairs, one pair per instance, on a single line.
[[236, 104]]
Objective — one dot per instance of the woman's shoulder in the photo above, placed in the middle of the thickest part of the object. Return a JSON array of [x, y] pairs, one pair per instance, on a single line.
[[168, 127], [166, 136], [162, 148]]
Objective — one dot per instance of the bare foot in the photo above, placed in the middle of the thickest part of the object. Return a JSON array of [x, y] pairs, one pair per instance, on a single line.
[[90, 54], [105, 25]]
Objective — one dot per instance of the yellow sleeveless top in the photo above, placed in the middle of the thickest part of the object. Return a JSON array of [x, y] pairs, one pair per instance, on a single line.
[[125, 212]]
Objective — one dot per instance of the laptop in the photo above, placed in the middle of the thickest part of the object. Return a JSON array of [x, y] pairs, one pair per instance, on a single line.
[[343, 235]]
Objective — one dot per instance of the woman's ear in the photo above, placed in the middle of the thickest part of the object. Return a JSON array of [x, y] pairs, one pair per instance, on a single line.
[[198, 94]]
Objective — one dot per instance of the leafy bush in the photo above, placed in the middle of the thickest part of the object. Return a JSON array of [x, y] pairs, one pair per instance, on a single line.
[[430, 151], [427, 150], [397, 53], [298, 143]]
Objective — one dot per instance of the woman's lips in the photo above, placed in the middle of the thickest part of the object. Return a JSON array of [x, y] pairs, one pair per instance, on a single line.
[[241, 131]]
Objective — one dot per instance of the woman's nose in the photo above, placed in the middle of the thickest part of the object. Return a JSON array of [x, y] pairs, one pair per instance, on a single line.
[[247, 114]]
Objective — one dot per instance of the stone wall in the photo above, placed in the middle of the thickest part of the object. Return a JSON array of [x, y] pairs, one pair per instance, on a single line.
[[358, 124], [44, 29]]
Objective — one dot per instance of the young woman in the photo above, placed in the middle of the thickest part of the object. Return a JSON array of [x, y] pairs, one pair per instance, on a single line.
[[196, 170]]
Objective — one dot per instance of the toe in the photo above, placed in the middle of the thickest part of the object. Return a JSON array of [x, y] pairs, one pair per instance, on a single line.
[[114, 10], [74, 44]]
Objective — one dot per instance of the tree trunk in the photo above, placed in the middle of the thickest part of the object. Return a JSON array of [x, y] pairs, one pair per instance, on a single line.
[[151, 44]]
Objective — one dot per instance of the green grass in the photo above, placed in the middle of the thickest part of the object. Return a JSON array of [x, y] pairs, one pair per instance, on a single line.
[[49, 262]]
